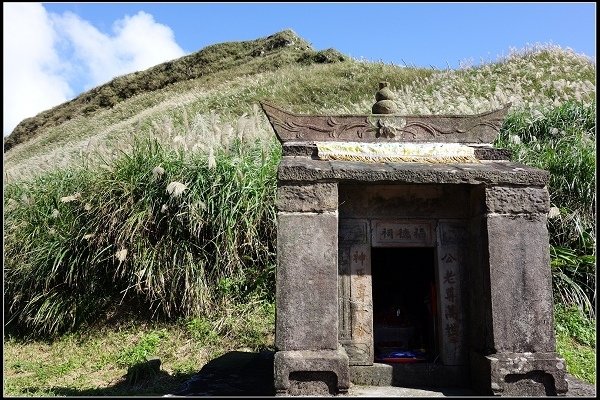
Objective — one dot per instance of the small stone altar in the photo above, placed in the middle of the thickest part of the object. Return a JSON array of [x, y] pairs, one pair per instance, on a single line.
[[410, 252]]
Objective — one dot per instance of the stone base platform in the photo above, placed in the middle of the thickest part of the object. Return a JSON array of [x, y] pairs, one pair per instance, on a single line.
[[410, 375], [311, 372], [521, 374], [240, 373]]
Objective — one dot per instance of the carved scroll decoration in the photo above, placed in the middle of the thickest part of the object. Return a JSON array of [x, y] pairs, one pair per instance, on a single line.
[[481, 128]]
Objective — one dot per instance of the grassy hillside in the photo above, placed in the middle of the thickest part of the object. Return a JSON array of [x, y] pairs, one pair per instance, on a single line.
[[532, 79], [226, 60], [152, 197]]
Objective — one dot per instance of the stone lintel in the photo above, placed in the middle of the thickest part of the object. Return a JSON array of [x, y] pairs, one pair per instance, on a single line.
[[307, 197], [520, 283], [517, 200], [306, 287], [486, 172], [428, 201], [307, 363]]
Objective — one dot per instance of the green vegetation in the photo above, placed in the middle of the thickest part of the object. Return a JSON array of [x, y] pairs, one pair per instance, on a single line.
[[96, 362], [576, 341], [562, 140], [143, 349], [148, 204], [172, 231]]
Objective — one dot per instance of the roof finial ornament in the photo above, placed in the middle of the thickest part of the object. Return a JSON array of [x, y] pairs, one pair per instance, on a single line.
[[385, 100]]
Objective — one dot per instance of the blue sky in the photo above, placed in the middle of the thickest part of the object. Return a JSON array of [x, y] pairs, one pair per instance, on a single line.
[[84, 45]]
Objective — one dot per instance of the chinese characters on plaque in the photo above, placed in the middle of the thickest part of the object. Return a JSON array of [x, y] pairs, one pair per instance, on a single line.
[[391, 234]]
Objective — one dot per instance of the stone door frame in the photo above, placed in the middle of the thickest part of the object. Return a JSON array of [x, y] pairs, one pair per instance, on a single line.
[[357, 236]]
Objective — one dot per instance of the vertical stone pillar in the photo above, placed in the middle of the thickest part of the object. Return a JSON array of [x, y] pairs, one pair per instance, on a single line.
[[521, 331], [356, 313], [452, 236], [308, 360]]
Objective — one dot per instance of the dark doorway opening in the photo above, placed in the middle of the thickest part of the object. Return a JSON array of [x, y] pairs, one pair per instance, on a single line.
[[404, 304]]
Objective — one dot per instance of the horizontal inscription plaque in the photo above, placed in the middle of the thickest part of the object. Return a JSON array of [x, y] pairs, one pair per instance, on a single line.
[[402, 233]]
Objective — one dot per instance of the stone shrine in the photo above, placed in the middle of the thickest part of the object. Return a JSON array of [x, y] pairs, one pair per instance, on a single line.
[[410, 252]]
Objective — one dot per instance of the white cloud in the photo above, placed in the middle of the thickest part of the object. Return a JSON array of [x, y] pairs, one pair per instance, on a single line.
[[147, 42], [32, 69], [138, 43], [39, 74]]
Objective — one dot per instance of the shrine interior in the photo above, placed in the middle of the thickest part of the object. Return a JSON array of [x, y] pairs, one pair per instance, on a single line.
[[404, 304]]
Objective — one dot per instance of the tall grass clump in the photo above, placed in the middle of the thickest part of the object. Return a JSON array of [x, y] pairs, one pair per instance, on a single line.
[[174, 232], [541, 76], [562, 140]]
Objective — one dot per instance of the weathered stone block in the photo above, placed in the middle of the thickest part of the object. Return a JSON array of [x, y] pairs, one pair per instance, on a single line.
[[492, 153], [520, 284], [522, 374], [303, 169], [312, 197], [372, 375], [299, 149], [515, 200], [409, 375], [307, 273], [304, 366], [359, 171], [359, 353]]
